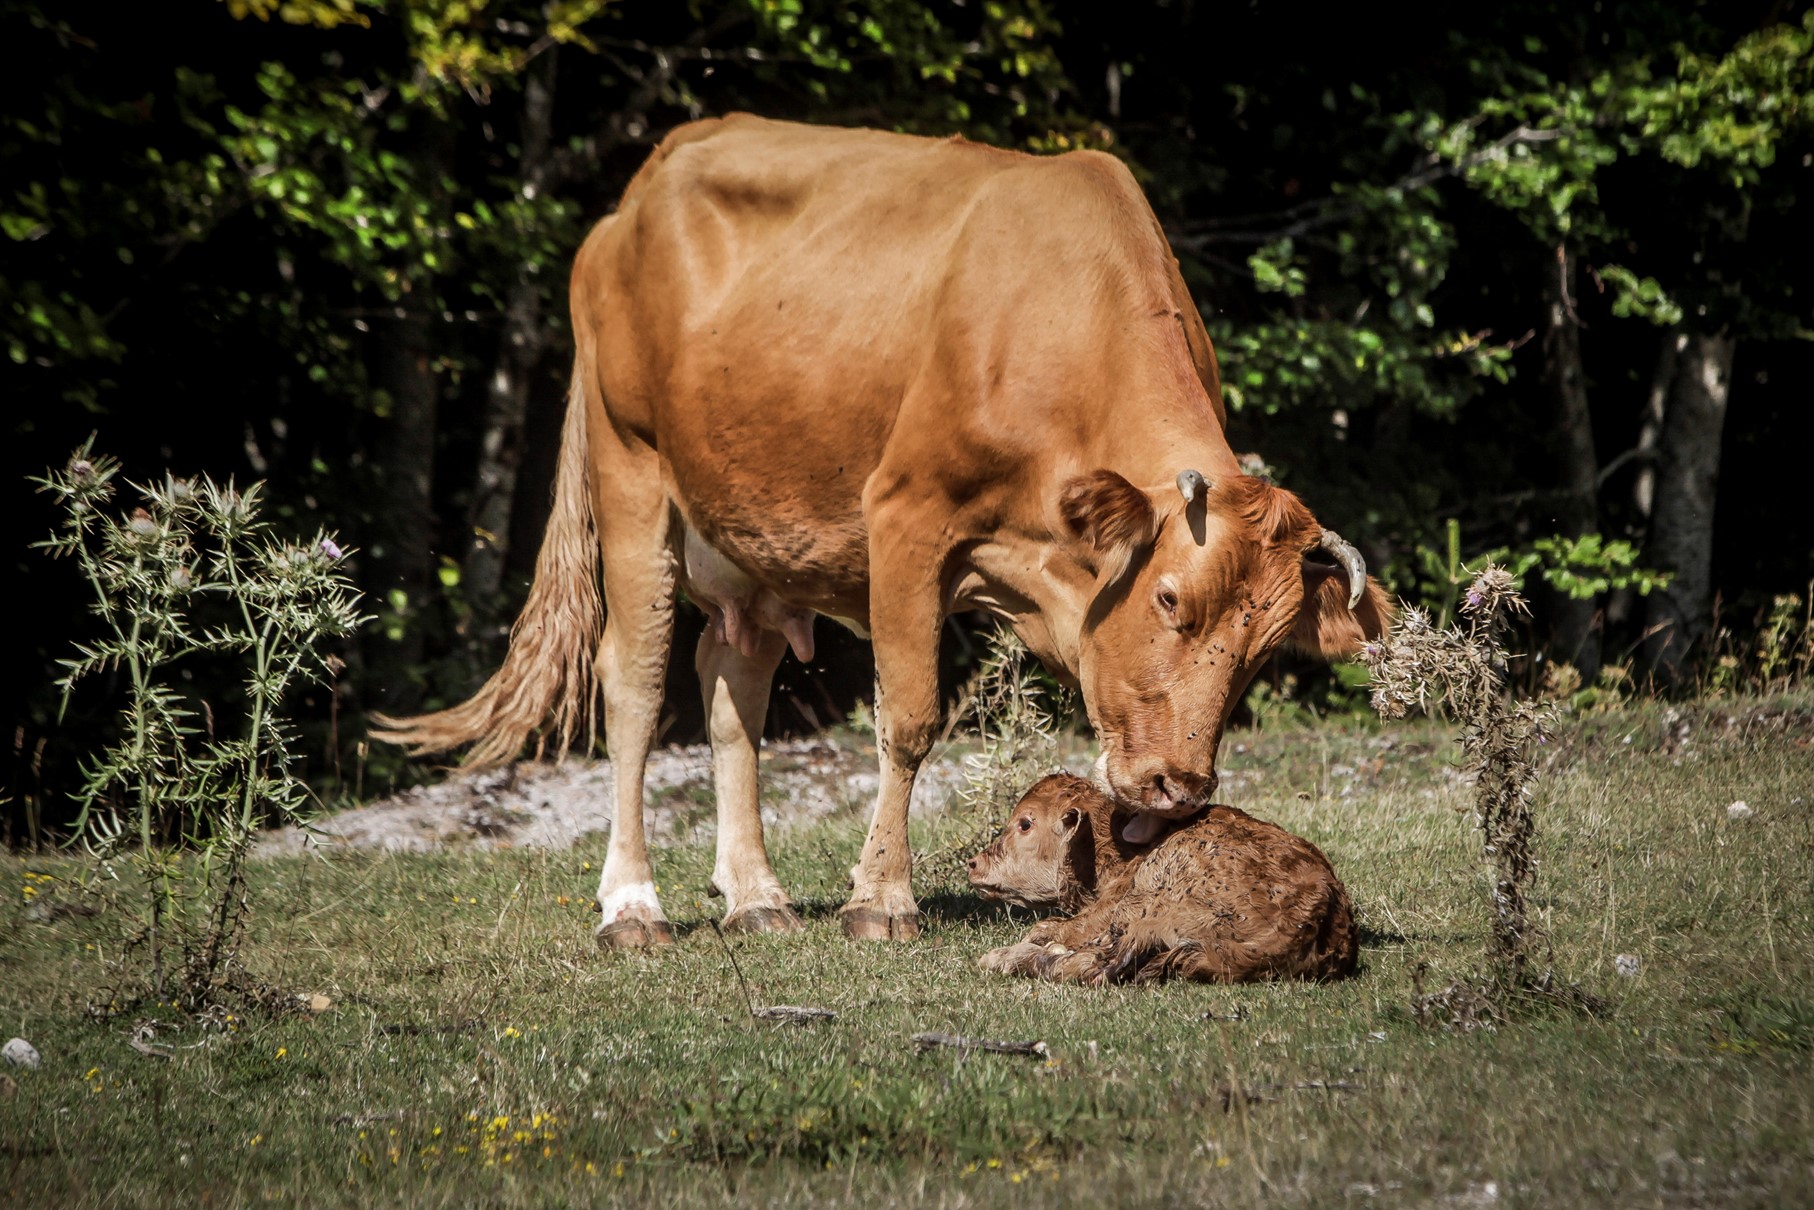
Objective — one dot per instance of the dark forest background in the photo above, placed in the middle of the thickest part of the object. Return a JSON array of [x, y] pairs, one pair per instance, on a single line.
[[1532, 283]]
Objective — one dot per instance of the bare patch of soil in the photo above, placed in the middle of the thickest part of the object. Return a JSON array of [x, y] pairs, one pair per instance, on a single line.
[[543, 804]]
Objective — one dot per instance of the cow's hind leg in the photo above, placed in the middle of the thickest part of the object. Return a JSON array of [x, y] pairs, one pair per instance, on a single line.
[[633, 520], [735, 688]]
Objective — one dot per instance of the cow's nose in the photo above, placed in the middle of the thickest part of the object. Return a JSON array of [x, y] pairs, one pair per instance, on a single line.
[[1181, 791]]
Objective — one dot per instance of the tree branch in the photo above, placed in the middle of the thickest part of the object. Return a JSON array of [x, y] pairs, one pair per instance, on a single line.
[[1305, 217]]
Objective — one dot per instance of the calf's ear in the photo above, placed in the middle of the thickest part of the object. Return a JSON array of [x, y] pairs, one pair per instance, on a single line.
[[1066, 823], [1111, 518], [1326, 628]]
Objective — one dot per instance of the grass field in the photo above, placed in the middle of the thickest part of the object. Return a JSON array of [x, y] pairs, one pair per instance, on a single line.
[[479, 1051]]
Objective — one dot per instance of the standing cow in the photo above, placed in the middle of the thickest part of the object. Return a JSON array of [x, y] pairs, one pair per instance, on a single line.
[[885, 379]]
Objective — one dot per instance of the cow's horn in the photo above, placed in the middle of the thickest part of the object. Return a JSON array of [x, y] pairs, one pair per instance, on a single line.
[[1351, 561], [1192, 484]]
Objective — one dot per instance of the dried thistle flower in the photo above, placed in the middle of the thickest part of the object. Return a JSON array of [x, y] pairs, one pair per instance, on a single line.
[[1461, 671]]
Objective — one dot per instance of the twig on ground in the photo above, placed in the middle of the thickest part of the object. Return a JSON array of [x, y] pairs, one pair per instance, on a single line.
[[748, 1004], [369, 1119], [927, 1041], [793, 1014], [790, 1013], [138, 1043]]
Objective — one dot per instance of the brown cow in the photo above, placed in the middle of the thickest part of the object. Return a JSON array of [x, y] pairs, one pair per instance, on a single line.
[[1224, 898], [884, 379]]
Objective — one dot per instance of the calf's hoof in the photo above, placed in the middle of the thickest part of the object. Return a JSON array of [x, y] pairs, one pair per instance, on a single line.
[[763, 920], [874, 924], [633, 933], [1024, 957]]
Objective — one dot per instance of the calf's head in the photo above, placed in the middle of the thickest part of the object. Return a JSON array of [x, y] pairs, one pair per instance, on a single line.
[[1046, 853], [1196, 584]]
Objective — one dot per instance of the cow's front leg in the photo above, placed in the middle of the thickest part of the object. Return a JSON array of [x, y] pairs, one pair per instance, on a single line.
[[735, 689], [905, 613]]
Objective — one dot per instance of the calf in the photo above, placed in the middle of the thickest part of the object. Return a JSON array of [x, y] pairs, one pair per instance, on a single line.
[[1220, 897]]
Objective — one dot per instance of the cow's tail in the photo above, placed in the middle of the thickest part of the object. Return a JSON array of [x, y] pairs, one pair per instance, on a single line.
[[547, 687]]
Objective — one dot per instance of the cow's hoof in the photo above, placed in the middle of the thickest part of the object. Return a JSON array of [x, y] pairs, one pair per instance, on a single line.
[[873, 924], [632, 933], [763, 920]]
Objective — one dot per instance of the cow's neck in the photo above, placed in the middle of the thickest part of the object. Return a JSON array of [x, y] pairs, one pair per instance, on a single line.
[[1035, 578]]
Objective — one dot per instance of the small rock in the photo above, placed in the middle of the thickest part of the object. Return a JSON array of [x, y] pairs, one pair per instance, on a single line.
[[1627, 965], [21, 1053], [316, 1003], [1739, 810], [48, 909]]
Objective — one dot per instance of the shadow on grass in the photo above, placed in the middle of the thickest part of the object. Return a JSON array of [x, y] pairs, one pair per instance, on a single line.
[[938, 907]]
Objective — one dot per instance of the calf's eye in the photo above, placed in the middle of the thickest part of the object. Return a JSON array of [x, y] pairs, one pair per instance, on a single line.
[[1025, 824]]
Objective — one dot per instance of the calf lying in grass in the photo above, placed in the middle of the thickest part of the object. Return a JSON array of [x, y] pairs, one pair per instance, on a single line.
[[1221, 897]]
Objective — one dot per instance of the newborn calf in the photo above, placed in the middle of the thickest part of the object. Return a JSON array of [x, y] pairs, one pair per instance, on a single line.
[[1221, 897]]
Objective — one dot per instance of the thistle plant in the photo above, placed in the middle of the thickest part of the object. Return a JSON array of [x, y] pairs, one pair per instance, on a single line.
[[1460, 670], [1018, 715], [192, 575]]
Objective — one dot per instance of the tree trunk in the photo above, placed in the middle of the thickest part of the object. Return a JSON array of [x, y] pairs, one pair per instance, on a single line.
[[1575, 635], [1622, 605], [403, 511], [1687, 480], [520, 350]]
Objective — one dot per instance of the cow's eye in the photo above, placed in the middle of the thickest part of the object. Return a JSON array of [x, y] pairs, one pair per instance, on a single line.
[[1025, 824], [1168, 600]]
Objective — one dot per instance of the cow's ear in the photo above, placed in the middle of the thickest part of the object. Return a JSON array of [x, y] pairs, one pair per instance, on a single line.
[[1111, 518], [1066, 823], [1325, 626]]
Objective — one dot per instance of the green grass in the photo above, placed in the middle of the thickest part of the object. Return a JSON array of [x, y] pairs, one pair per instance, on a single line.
[[466, 993]]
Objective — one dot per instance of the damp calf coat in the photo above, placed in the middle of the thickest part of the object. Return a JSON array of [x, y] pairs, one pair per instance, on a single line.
[[1221, 898]]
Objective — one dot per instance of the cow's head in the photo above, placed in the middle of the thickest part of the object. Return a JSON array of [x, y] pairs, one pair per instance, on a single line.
[[1196, 585]]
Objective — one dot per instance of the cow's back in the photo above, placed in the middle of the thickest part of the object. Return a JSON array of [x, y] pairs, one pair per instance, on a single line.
[[770, 297]]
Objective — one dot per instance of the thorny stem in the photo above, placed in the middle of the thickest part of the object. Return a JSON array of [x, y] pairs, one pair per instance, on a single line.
[[260, 643], [133, 574], [152, 868]]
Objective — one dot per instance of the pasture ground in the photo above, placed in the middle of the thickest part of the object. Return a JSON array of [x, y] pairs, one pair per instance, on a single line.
[[479, 1051]]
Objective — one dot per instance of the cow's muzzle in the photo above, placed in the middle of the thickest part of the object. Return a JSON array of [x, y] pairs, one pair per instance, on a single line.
[[1174, 794]]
